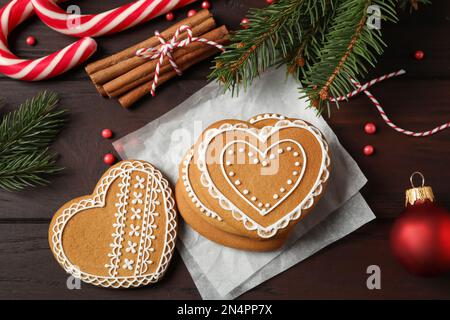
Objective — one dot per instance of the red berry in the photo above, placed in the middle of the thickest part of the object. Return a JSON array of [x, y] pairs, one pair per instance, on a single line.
[[370, 128], [191, 13], [244, 23], [107, 133], [419, 55], [269, 1], [169, 16], [31, 41], [368, 150], [109, 159], [206, 5]]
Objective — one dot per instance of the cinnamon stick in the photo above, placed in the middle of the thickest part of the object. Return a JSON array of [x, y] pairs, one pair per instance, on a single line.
[[109, 73], [141, 74], [131, 97], [166, 68], [193, 21]]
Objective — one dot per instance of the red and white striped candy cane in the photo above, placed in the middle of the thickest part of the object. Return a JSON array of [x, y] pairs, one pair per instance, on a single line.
[[14, 13], [166, 49], [363, 88], [109, 22]]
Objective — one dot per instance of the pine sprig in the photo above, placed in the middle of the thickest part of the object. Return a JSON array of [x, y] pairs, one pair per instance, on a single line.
[[349, 46], [25, 135], [270, 36]]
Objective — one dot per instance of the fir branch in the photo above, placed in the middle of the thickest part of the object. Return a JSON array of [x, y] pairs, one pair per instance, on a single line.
[[348, 47], [270, 35], [25, 135]]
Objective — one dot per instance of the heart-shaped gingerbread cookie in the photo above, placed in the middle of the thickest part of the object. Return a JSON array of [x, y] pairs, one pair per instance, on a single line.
[[123, 234], [256, 178]]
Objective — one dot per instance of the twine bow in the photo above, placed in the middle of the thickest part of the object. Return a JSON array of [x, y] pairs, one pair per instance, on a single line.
[[167, 47]]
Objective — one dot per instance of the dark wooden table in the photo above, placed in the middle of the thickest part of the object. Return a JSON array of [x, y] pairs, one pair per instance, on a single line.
[[418, 100]]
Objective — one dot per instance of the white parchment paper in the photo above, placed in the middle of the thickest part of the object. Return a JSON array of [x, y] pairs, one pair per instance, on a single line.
[[221, 272]]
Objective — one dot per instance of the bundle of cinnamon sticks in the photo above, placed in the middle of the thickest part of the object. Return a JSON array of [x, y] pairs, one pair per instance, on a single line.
[[128, 77]]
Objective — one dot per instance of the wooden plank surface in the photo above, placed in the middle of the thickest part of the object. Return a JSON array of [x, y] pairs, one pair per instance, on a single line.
[[419, 100]]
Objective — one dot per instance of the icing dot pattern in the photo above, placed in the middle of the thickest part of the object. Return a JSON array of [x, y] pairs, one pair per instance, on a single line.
[[240, 153]]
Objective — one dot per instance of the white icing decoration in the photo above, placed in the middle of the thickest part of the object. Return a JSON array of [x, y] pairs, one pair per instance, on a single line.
[[250, 154], [267, 205], [136, 214], [275, 196], [280, 151], [139, 182], [289, 182], [253, 198], [263, 154], [256, 161], [272, 156], [245, 191], [230, 152], [241, 150], [137, 198], [134, 230], [237, 182], [191, 194], [308, 201], [128, 264], [282, 189], [266, 116], [295, 154], [131, 247], [297, 164], [98, 200], [231, 174], [289, 149], [119, 226]]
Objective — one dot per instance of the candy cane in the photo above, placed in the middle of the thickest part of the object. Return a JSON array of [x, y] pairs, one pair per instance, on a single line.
[[14, 13], [363, 88], [109, 22]]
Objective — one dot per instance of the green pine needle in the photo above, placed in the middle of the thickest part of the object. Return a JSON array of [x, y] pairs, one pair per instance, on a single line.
[[349, 46], [323, 43], [270, 36], [25, 135]]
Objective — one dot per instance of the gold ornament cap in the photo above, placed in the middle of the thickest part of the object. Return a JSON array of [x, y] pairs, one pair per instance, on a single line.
[[421, 193]]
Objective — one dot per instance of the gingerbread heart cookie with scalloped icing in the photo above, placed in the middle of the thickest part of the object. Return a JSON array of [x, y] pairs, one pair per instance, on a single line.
[[254, 179], [123, 234]]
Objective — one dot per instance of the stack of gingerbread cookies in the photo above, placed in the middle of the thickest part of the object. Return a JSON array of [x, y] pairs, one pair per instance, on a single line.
[[245, 184]]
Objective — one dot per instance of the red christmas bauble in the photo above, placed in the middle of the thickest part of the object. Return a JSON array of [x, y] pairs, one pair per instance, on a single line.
[[420, 237], [269, 1], [419, 55], [109, 159], [368, 150], [169, 16], [191, 13], [206, 5], [107, 133], [370, 128], [31, 41]]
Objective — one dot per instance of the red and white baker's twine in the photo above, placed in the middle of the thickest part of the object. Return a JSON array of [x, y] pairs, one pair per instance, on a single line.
[[363, 88], [109, 22], [166, 49]]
